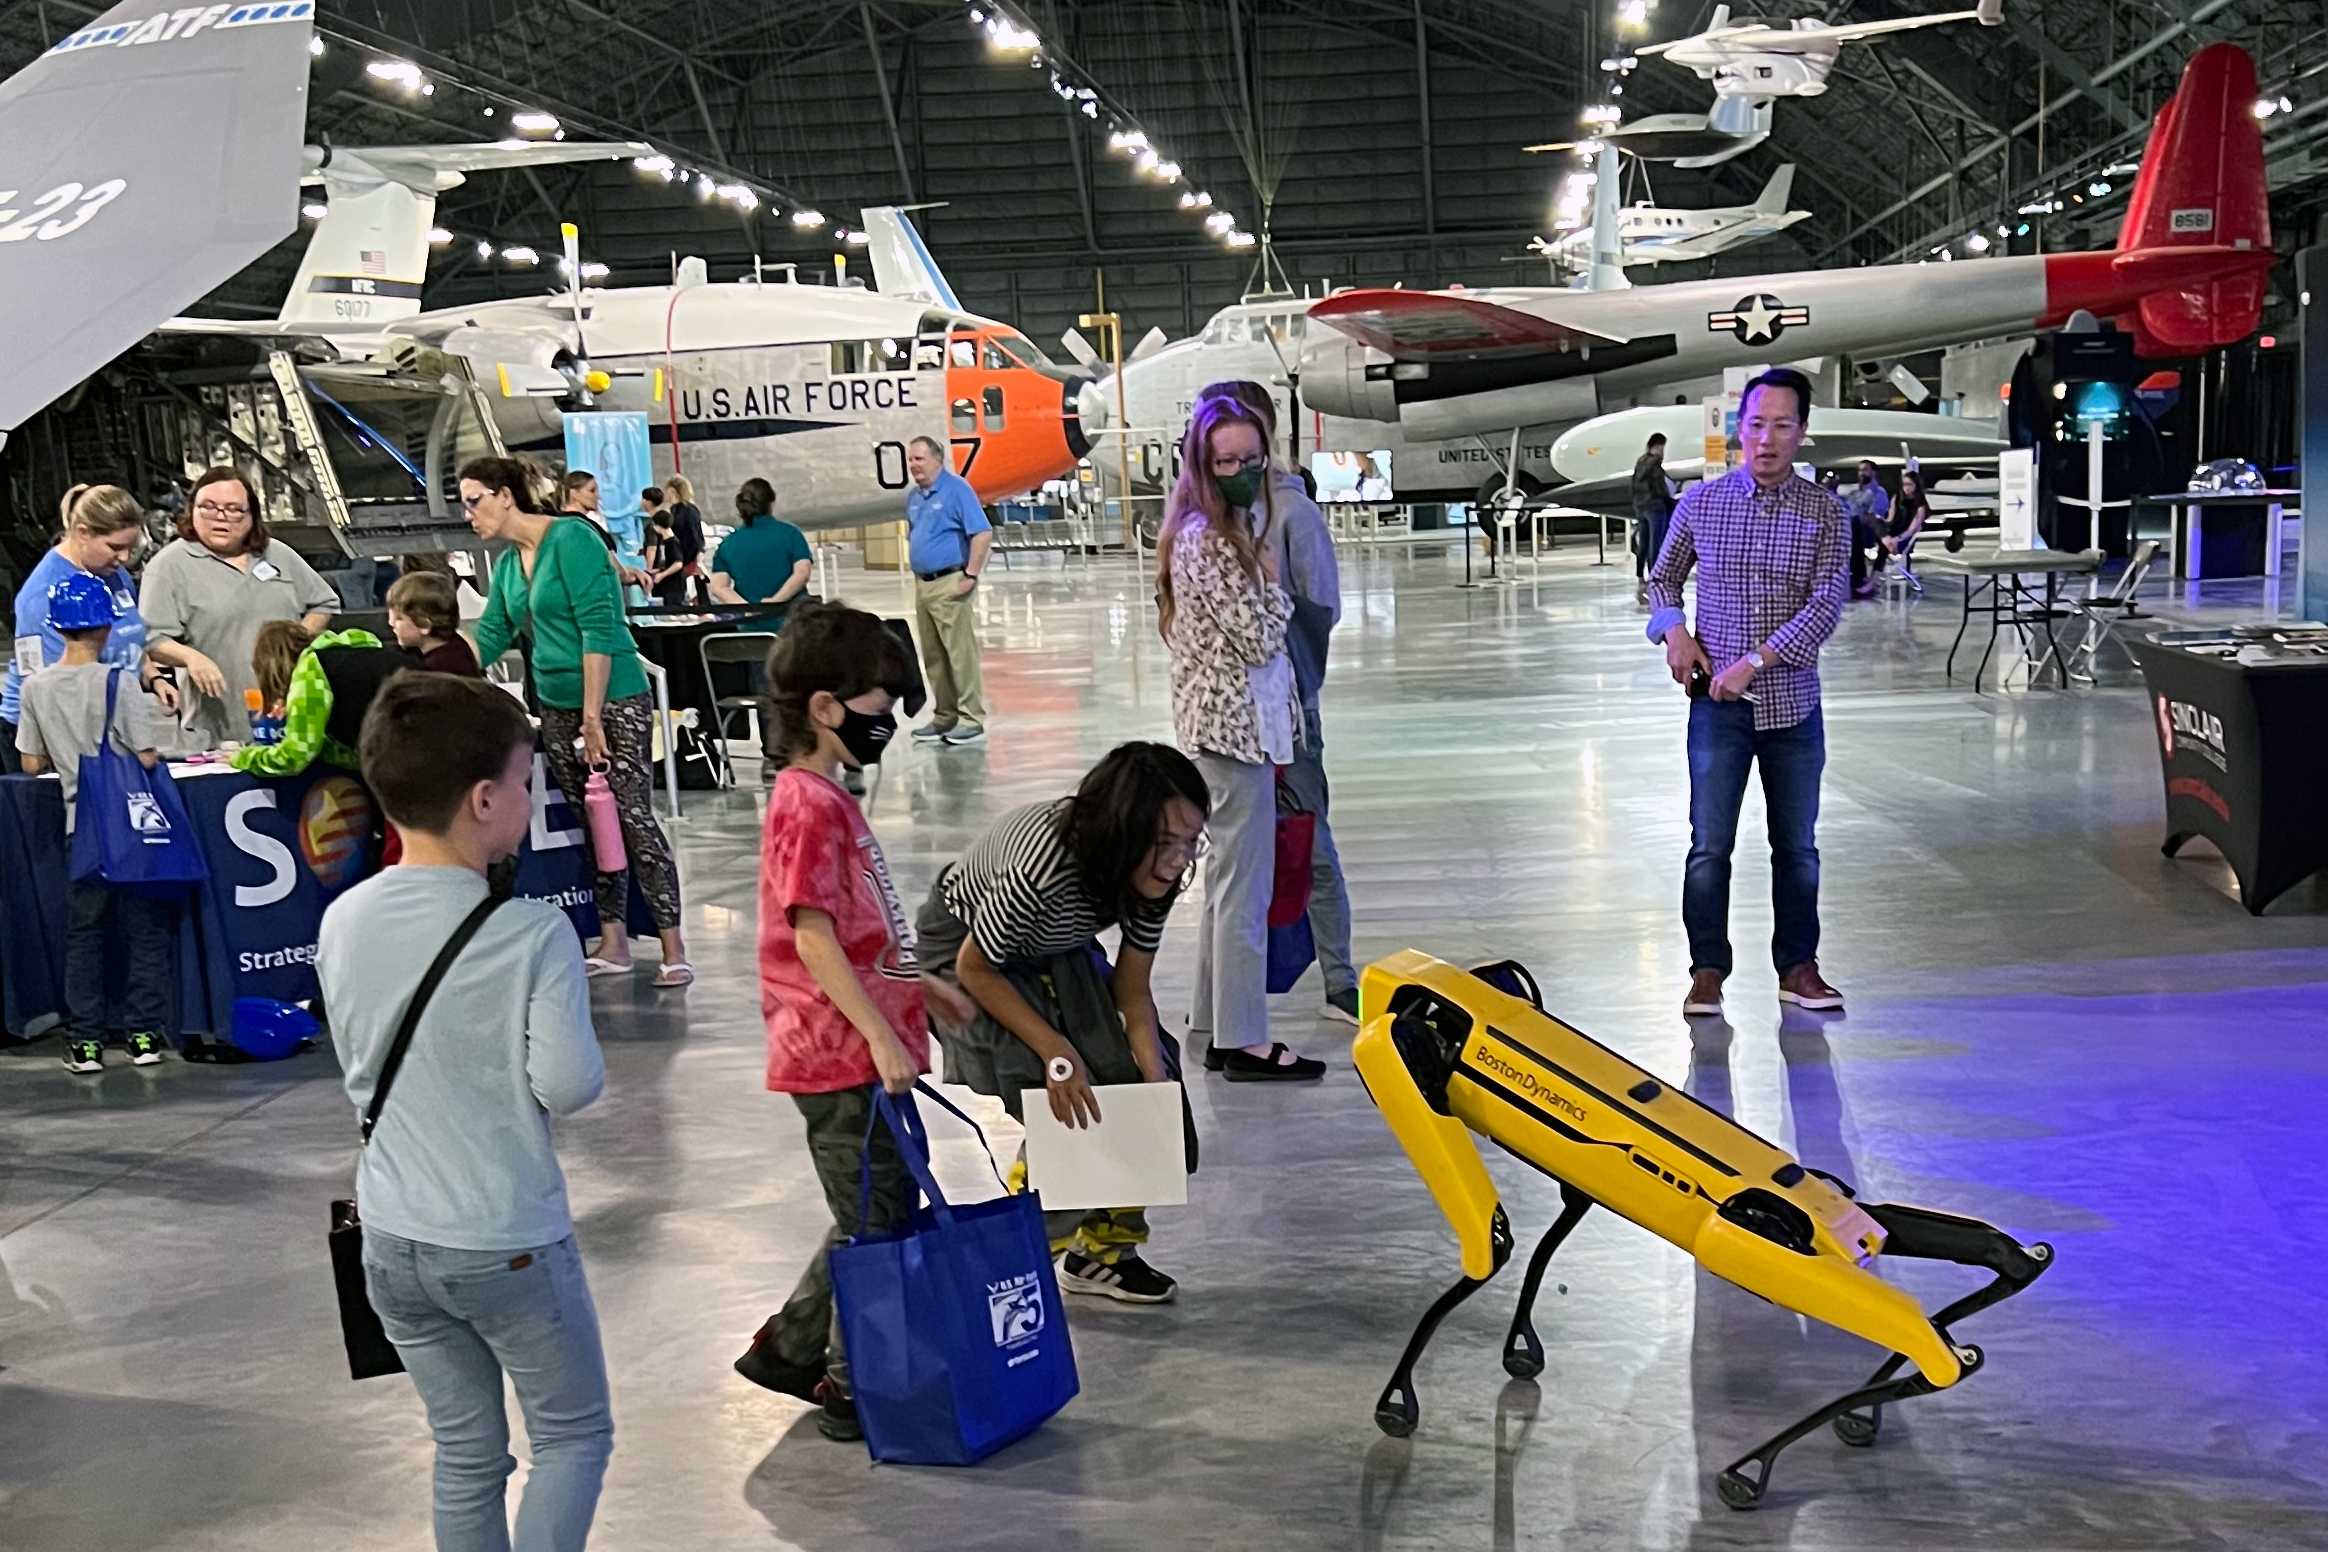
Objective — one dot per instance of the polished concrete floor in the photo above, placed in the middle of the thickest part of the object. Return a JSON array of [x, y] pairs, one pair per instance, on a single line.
[[2051, 1026]]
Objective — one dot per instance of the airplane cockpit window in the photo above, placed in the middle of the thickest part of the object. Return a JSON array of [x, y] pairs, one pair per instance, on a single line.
[[997, 359], [887, 355], [848, 357], [929, 355], [963, 351], [993, 398], [1024, 349], [965, 417]]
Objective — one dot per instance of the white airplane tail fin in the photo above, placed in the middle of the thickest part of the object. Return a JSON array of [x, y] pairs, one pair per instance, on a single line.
[[1772, 200], [1607, 272], [902, 266], [365, 265]]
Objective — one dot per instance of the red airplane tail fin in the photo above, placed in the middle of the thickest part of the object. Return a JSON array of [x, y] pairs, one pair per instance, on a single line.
[[2201, 187]]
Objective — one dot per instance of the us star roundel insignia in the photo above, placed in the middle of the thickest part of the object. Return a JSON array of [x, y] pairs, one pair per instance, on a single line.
[[1757, 320]]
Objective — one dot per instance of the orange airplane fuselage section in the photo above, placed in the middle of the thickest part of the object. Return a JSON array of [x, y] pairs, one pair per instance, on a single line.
[[1010, 416]]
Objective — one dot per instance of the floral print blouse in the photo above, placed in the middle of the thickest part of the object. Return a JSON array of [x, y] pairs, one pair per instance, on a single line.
[[1225, 624]]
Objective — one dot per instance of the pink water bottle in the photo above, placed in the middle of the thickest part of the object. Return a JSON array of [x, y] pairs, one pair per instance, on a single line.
[[605, 820]]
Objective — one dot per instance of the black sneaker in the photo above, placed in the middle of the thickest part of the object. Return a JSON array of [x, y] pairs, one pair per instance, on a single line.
[[764, 1367], [84, 1056], [838, 1421], [1128, 1281], [145, 1049]]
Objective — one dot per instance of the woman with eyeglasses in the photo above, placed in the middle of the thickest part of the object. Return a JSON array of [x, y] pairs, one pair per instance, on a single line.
[[1223, 611], [556, 583], [1013, 926], [208, 592], [103, 527]]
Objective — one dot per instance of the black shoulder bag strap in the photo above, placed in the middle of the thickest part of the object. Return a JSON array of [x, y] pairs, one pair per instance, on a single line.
[[419, 1005]]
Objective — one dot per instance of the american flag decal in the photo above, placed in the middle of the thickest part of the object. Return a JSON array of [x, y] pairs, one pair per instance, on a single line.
[[372, 261]]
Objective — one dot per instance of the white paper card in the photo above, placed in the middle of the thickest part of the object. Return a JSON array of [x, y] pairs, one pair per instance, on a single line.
[[1135, 1157]]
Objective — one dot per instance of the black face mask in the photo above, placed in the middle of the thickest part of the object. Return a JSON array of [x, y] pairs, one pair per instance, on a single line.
[[864, 735]]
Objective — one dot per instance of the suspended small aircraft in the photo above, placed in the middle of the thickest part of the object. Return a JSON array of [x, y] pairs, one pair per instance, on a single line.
[[1758, 60], [1653, 235], [1731, 128]]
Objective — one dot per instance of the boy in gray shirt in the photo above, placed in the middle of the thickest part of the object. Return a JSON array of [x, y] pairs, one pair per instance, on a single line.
[[469, 1253], [63, 720]]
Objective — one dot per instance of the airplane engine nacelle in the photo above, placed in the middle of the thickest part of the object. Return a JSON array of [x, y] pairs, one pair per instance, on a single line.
[[1497, 410], [1334, 378], [527, 378]]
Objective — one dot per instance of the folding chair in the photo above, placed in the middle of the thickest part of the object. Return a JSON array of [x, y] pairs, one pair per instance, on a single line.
[[731, 647], [2105, 612]]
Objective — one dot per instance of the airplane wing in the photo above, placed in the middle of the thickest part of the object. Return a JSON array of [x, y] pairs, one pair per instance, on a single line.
[[1852, 32], [1438, 326], [150, 158]]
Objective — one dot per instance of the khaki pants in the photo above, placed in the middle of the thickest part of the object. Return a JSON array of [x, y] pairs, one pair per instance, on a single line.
[[949, 648]]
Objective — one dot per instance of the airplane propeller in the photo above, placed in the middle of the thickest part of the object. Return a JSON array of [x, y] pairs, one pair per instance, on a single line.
[[1082, 350], [571, 377]]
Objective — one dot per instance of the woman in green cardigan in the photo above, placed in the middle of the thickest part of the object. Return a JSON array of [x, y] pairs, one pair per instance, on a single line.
[[557, 583]]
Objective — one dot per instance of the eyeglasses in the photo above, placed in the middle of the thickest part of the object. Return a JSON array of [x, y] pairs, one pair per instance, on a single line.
[[1183, 854], [214, 509], [1240, 465]]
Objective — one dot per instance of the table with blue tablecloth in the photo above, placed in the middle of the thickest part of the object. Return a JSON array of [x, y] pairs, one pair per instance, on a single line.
[[279, 851]]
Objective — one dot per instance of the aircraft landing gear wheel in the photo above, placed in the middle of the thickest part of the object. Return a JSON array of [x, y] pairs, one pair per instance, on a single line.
[[1858, 1429], [1737, 1491]]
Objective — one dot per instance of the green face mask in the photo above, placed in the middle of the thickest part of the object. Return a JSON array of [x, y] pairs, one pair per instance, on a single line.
[[1240, 488]]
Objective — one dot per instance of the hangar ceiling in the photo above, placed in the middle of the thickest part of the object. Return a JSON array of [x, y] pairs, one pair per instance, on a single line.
[[1381, 137]]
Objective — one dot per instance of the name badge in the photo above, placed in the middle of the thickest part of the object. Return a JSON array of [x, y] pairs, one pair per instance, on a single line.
[[264, 571]]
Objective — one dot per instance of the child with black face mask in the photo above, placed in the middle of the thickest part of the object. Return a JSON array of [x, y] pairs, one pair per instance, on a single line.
[[839, 985]]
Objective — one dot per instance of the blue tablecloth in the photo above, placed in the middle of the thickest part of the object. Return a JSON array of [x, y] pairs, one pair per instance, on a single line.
[[279, 852]]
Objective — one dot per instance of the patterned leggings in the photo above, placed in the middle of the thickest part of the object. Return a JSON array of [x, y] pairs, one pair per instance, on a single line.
[[630, 750]]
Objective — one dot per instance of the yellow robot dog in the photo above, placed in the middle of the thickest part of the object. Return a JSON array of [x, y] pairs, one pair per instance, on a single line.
[[1446, 1052]]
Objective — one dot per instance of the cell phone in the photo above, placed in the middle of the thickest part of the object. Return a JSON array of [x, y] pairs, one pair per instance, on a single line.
[[1701, 683]]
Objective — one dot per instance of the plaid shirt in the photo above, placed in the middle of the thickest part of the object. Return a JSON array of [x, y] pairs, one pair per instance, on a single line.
[[1773, 570]]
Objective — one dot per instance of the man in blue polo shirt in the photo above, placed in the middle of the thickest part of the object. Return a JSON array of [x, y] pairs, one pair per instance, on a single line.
[[947, 540]]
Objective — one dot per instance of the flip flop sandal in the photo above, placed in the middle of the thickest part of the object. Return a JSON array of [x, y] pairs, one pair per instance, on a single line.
[[673, 976], [596, 968]]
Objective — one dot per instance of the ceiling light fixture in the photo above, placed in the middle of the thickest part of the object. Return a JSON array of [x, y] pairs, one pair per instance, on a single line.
[[521, 256], [438, 237], [532, 121]]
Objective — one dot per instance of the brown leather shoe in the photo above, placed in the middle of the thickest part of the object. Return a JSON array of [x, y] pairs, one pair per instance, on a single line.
[[1705, 995], [1806, 988]]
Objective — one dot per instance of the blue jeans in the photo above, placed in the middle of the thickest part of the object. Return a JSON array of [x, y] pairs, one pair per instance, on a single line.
[[1723, 743], [460, 1319]]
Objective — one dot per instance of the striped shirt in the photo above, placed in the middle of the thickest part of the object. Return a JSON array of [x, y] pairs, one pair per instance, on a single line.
[[1773, 569], [1022, 898]]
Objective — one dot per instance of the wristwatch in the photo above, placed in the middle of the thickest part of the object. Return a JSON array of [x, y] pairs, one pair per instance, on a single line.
[[1756, 661]]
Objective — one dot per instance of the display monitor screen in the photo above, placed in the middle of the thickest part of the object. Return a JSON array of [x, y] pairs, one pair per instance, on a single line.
[[1352, 476]]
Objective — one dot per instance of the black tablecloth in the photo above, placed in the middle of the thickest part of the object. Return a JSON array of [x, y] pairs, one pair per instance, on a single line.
[[2245, 762], [672, 640]]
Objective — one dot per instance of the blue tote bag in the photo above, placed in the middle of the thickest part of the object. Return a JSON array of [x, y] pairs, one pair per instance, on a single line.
[[131, 830], [956, 1342]]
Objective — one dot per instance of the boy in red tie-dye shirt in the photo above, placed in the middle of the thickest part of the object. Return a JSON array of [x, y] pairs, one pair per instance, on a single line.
[[839, 987]]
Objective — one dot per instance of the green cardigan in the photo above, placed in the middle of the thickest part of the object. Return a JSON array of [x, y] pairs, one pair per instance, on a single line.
[[572, 605]]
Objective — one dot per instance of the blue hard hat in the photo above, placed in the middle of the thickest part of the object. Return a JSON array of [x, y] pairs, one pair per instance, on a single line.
[[268, 1031], [81, 602]]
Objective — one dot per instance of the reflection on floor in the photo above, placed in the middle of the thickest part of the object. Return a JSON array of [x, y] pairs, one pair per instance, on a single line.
[[2051, 1026]]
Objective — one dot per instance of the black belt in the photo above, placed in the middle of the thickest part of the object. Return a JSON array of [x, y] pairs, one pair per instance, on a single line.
[[932, 576]]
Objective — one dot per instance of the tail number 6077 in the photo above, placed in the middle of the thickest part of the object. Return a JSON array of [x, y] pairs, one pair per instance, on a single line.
[[46, 220]]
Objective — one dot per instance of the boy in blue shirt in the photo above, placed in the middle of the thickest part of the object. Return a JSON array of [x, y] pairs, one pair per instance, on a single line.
[[64, 719]]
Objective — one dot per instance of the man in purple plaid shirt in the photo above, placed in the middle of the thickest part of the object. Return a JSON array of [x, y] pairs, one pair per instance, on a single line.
[[1772, 553]]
